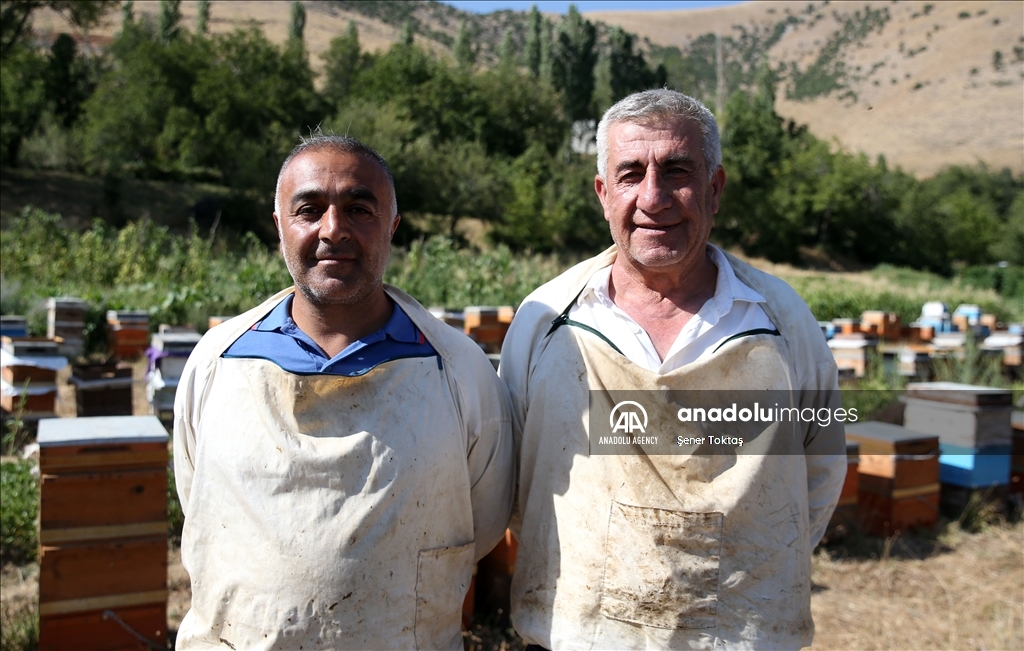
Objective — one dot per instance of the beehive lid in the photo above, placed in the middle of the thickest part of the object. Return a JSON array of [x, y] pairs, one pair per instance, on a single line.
[[884, 438], [100, 430], [959, 394]]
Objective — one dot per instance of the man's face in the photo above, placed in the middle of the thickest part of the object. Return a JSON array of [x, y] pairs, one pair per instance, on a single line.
[[657, 197], [335, 225]]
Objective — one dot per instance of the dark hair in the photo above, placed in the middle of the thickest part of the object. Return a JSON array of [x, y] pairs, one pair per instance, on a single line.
[[319, 141]]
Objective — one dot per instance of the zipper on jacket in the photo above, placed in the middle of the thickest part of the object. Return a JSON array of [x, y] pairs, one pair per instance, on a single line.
[[563, 319]]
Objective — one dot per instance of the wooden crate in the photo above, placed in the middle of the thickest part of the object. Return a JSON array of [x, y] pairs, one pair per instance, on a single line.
[[103, 532], [40, 403], [882, 515], [959, 414], [103, 389], [67, 632], [18, 374]]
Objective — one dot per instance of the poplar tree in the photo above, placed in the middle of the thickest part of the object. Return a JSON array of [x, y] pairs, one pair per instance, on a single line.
[[298, 22], [170, 17], [463, 48], [572, 63], [203, 18], [341, 63], [507, 53], [533, 42]]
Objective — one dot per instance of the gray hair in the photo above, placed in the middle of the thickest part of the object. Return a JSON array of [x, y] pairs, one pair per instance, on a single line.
[[319, 141], [650, 106]]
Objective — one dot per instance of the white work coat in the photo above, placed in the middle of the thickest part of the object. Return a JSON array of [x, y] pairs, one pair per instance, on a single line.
[[666, 551], [329, 512]]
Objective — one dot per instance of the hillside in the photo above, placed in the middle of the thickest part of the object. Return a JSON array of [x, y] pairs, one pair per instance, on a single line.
[[922, 88], [919, 82]]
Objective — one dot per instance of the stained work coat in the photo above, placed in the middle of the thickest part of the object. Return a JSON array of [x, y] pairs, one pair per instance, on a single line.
[[666, 551], [329, 512]]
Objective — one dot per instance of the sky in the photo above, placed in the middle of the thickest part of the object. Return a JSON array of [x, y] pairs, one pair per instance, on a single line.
[[559, 7]]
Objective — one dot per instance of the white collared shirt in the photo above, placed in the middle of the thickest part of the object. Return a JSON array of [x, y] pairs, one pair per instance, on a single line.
[[734, 308]]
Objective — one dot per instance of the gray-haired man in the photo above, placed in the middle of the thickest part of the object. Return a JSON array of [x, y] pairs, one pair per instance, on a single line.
[[673, 551]]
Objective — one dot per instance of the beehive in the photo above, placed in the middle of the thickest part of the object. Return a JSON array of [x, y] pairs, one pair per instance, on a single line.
[[898, 477], [103, 533]]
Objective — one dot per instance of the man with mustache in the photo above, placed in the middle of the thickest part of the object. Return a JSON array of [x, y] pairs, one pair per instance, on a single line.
[[342, 456], [706, 548]]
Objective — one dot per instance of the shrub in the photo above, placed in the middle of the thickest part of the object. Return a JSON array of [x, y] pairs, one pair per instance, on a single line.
[[19, 506]]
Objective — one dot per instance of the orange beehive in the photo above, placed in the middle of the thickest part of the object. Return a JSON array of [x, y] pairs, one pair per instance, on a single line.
[[898, 477], [488, 325], [103, 533]]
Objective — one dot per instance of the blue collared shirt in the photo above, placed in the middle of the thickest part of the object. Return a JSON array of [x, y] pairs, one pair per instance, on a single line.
[[279, 340]]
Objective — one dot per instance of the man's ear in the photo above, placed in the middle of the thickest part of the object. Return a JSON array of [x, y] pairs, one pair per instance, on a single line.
[[602, 193], [280, 236], [717, 185], [394, 225]]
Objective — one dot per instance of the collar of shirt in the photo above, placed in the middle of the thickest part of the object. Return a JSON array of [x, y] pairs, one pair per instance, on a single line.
[[728, 289], [399, 328]]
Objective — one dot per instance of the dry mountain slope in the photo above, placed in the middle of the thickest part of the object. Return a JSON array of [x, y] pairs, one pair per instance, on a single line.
[[928, 92]]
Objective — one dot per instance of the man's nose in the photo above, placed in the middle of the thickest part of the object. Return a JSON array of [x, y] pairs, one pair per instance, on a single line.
[[654, 193], [334, 225]]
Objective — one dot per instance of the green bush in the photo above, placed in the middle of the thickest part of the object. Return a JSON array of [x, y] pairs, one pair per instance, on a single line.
[[19, 506]]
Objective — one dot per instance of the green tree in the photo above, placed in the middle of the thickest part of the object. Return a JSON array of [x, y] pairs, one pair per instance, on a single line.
[[297, 25], [22, 99], [170, 19], [534, 39], [463, 50], [203, 17], [127, 12], [507, 51], [573, 59], [68, 81], [341, 65], [754, 145], [629, 70]]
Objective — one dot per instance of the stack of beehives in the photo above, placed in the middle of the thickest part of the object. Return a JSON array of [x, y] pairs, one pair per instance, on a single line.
[[103, 533], [973, 427], [898, 477], [168, 353], [65, 323], [127, 333], [844, 518], [28, 380]]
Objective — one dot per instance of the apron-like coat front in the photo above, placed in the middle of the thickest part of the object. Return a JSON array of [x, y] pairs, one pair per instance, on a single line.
[[329, 512], [666, 551]]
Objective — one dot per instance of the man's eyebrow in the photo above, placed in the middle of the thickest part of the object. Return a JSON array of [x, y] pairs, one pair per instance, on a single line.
[[679, 159], [356, 192]]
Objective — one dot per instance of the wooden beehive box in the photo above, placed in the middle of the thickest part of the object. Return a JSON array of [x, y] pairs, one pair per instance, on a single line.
[[103, 532], [844, 517], [103, 389], [488, 325], [963, 415], [898, 477], [127, 333]]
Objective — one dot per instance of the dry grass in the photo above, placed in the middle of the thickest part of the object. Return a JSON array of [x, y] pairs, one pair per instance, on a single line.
[[961, 591]]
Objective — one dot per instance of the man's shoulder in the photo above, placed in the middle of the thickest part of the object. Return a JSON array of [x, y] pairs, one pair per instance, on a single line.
[[551, 298], [774, 289]]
